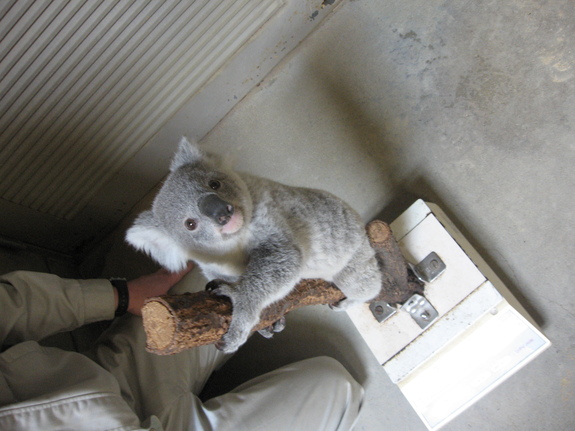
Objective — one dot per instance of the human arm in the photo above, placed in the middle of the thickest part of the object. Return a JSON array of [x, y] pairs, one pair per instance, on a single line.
[[35, 305]]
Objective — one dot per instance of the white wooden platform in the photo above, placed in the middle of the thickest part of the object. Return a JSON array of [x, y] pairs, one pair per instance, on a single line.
[[482, 335]]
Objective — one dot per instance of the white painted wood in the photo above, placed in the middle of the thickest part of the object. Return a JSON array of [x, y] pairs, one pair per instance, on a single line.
[[402, 225], [481, 301], [461, 276], [481, 337], [387, 338], [420, 233], [472, 364], [479, 261]]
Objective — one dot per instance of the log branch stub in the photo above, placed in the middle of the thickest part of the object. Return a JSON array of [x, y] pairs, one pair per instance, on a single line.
[[174, 323], [399, 283]]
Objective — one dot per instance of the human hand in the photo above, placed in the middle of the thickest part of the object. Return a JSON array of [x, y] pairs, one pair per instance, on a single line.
[[155, 284]]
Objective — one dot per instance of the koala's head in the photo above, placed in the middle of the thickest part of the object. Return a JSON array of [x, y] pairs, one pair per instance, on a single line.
[[200, 210]]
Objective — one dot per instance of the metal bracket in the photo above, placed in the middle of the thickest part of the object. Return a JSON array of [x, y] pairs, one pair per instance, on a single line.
[[418, 307], [382, 310], [429, 268], [421, 310]]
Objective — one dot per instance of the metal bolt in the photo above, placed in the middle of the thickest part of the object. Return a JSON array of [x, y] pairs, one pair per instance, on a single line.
[[425, 315], [379, 309]]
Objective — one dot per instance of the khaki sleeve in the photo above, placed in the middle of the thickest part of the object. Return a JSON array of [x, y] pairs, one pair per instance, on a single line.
[[34, 305]]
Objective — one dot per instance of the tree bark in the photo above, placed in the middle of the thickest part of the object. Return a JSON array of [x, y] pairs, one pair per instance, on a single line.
[[174, 323]]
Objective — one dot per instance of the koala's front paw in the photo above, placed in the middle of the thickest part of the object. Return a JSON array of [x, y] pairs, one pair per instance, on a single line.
[[244, 315]]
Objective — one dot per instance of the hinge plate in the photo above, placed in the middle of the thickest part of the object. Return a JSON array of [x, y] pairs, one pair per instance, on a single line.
[[382, 310], [429, 268], [421, 310]]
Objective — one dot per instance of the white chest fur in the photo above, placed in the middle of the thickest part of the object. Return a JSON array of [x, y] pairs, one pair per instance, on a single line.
[[228, 264]]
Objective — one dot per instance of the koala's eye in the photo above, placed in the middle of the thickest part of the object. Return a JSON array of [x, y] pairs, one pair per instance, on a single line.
[[214, 184], [191, 224]]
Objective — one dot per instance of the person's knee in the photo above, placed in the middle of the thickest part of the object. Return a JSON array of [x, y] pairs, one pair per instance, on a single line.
[[328, 365], [332, 375], [332, 388]]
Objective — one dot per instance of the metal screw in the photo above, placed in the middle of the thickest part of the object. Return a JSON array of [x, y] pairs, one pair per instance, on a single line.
[[425, 315], [379, 309]]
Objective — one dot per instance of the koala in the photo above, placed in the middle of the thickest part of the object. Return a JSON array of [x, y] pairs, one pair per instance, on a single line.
[[253, 237]]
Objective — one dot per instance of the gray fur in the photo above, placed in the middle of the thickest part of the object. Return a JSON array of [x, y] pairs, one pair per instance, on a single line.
[[276, 236]]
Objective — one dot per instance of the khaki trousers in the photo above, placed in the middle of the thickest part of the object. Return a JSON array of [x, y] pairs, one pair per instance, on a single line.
[[314, 394]]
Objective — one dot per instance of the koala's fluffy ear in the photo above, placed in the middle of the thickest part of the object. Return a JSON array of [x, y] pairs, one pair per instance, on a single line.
[[188, 152], [146, 235]]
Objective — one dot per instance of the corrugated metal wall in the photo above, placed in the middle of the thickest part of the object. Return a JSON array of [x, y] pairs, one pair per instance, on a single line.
[[85, 84]]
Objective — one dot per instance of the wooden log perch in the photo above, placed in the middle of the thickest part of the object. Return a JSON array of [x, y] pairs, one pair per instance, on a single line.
[[174, 323]]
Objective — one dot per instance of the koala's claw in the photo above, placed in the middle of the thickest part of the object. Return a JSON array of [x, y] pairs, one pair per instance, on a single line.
[[224, 347], [280, 324], [220, 345], [345, 304], [229, 344], [277, 326], [340, 305], [214, 284], [266, 332], [220, 288]]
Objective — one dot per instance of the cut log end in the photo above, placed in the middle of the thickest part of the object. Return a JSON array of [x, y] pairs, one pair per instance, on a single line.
[[378, 232], [160, 325]]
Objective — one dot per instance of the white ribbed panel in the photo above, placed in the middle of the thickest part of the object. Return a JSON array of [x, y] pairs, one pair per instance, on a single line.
[[85, 84]]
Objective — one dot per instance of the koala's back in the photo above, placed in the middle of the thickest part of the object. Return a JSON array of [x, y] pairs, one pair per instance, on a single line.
[[327, 231]]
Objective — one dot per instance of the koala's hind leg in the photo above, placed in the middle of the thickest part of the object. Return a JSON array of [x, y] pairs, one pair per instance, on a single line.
[[360, 280]]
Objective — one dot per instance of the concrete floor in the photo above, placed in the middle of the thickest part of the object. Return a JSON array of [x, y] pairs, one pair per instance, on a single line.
[[470, 105]]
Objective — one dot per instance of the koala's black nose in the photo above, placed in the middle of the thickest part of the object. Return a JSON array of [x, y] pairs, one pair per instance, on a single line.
[[218, 210]]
